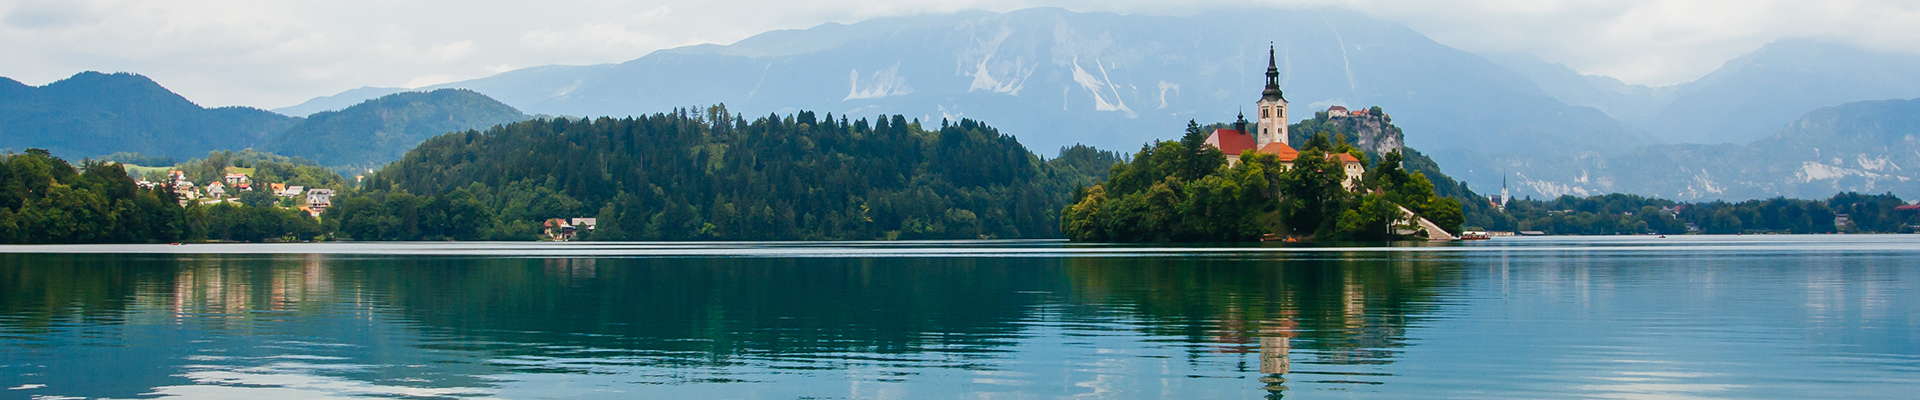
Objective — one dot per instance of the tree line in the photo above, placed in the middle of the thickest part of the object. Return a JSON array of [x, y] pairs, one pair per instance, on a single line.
[[1615, 214], [44, 199], [714, 175]]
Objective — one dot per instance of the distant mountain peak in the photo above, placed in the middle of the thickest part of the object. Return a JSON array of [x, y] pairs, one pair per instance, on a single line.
[[93, 113]]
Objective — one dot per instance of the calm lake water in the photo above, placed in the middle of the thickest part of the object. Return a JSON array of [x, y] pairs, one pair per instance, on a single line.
[[1690, 317]]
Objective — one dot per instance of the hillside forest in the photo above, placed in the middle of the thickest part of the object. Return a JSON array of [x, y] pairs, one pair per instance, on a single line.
[[712, 175]]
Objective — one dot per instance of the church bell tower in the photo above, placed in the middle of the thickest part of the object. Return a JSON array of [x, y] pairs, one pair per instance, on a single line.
[[1273, 108]]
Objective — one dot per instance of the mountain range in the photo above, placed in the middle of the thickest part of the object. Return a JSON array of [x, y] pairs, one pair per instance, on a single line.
[[1053, 78], [94, 114], [1747, 99], [1867, 146]]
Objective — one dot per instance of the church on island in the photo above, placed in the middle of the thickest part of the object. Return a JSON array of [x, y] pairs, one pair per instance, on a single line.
[[1271, 137]]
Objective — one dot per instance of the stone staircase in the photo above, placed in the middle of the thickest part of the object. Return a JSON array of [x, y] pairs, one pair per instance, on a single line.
[[1434, 232]]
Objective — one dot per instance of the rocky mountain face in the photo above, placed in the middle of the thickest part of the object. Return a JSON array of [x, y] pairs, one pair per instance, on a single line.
[[1867, 147], [1370, 130], [1746, 99], [1054, 78]]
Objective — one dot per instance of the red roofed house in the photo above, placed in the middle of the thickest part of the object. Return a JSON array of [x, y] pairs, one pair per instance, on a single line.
[[1336, 111], [1353, 167], [1232, 141]]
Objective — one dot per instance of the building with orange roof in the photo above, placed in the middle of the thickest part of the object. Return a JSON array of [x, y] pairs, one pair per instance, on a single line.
[[1355, 170]]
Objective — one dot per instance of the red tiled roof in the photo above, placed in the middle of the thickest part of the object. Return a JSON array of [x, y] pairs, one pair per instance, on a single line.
[[1336, 108], [1347, 158], [1909, 207], [1285, 152], [1230, 141]]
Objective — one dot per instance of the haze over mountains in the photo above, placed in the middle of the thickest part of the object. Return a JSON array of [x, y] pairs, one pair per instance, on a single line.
[[1747, 99], [1056, 78], [1867, 147], [1053, 78]]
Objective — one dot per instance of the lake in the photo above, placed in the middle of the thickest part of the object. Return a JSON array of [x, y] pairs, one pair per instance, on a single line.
[[1684, 317]]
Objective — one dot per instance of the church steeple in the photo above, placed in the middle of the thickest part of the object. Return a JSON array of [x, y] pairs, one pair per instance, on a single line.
[[1273, 79], [1273, 107]]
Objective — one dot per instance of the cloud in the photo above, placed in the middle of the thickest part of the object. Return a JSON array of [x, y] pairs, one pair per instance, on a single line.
[[450, 51], [1655, 42], [277, 53], [429, 80], [50, 14]]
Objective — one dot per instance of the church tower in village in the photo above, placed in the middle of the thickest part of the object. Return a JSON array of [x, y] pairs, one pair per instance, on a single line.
[[1273, 109]]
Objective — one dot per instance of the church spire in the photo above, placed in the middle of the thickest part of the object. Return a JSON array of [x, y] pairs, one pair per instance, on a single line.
[[1273, 78]]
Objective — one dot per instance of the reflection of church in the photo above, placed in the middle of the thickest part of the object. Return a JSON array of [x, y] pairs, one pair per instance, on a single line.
[[1271, 137]]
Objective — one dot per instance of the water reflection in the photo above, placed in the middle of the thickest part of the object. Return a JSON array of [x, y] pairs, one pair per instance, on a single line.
[[1207, 325]]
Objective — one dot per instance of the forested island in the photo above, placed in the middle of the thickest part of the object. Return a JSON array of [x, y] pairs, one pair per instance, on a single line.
[[1185, 191]]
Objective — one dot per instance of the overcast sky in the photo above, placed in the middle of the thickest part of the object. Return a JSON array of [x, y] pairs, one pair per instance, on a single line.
[[281, 52]]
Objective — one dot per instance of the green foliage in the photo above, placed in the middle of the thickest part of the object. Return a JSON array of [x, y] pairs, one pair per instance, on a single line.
[[45, 200], [266, 168], [228, 222], [1182, 191], [713, 175], [403, 216], [1629, 214]]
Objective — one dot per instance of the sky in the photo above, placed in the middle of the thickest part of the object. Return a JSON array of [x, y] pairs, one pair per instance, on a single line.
[[278, 53]]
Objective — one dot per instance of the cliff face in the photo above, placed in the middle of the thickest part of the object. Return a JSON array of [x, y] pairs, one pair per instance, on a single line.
[[1372, 132]]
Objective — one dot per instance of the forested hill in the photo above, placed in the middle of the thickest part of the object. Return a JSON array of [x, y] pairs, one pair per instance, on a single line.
[[712, 175], [378, 131], [131, 117], [94, 113]]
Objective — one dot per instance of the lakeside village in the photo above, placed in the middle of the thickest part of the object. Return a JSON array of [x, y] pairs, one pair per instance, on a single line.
[[314, 201]]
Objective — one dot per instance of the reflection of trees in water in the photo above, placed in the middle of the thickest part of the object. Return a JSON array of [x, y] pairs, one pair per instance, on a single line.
[[782, 314], [708, 312], [1349, 309], [162, 309], [36, 289]]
